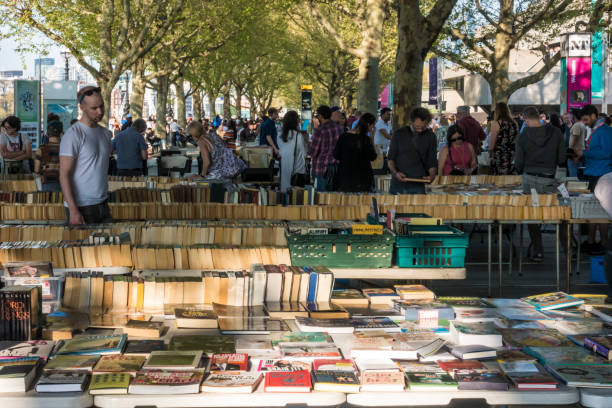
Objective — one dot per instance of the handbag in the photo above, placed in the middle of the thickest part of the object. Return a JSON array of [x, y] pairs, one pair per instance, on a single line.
[[297, 179]]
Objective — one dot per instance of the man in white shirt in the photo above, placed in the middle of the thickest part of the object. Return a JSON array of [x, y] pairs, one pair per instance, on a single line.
[[84, 156], [383, 129]]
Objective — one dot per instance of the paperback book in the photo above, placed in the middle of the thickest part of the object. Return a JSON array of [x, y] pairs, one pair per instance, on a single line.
[[335, 381], [109, 383], [554, 300], [431, 381], [167, 382], [231, 382], [288, 381]]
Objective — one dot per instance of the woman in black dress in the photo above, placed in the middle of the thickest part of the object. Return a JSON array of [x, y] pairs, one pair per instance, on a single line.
[[355, 151]]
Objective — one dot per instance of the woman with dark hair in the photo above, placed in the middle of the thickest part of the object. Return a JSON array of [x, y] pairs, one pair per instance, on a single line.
[[292, 148], [457, 157], [502, 141], [15, 147], [354, 151]]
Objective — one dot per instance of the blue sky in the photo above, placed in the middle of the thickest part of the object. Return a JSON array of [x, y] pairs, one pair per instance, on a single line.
[[12, 60]]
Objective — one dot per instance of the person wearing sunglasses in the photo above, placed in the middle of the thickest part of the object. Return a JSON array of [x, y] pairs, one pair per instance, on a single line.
[[457, 157], [84, 158], [15, 147]]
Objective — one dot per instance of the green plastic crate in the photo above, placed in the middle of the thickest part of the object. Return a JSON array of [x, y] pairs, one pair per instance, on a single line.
[[445, 249], [341, 251]]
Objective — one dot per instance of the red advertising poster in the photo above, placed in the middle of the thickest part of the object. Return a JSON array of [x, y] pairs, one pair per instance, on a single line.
[[578, 82]]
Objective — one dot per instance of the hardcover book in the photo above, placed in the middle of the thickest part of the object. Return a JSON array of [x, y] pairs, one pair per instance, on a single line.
[[308, 353], [119, 363], [485, 334], [90, 345], [109, 383], [415, 293], [291, 381], [229, 382], [600, 344], [61, 382], [256, 348], [17, 375], [195, 318], [584, 375], [334, 365], [430, 381], [488, 380], [173, 360], [300, 339], [144, 347], [326, 310], [335, 381], [33, 348], [307, 324], [533, 381], [554, 300], [229, 362], [349, 297], [517, 338], [458, 302], [209, 344], [375, 323], [252, 325], [167, 382], [380, 295], [570, 355], [282, 365], [141, 328], [72, 363], [473, 352]]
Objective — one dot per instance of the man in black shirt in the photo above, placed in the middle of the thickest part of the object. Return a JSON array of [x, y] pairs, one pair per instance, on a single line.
[[412, 154]]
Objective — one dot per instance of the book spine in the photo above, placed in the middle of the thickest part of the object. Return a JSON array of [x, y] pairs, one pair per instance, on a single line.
[[597, 348], [312, 287]]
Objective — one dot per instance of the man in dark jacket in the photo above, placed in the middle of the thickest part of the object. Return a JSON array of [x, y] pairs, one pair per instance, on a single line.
[[412, 154], [539, 150]]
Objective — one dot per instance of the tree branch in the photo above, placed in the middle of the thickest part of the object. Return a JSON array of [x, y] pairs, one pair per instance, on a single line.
[[535, 77], [331, 30], [494, 23], [538, 17]]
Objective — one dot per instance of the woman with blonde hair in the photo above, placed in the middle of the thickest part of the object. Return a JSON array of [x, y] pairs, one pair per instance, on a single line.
[[502, 142]]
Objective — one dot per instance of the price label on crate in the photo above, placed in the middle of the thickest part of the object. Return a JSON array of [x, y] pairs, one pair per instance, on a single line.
[[367, 229]]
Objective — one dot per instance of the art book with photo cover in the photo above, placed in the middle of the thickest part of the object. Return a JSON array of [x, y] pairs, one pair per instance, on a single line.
[[119, 363], [229, 362], [519, 339]]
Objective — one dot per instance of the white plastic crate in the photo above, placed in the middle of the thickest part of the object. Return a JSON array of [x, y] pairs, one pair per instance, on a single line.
[[587, 208]]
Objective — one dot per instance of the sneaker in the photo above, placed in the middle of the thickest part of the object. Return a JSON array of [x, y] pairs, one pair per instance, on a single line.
[[537, 257]]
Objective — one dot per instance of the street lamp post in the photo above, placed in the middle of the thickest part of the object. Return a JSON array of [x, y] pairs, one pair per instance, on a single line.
[[66, 55]]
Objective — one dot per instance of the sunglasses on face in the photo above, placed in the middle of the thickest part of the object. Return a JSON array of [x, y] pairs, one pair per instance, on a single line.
[[456, 139], [89, 93]]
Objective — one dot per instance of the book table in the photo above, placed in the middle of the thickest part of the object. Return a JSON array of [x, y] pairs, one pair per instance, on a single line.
[[32, 399], [596, 397], [562, 396], [256, 399]]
